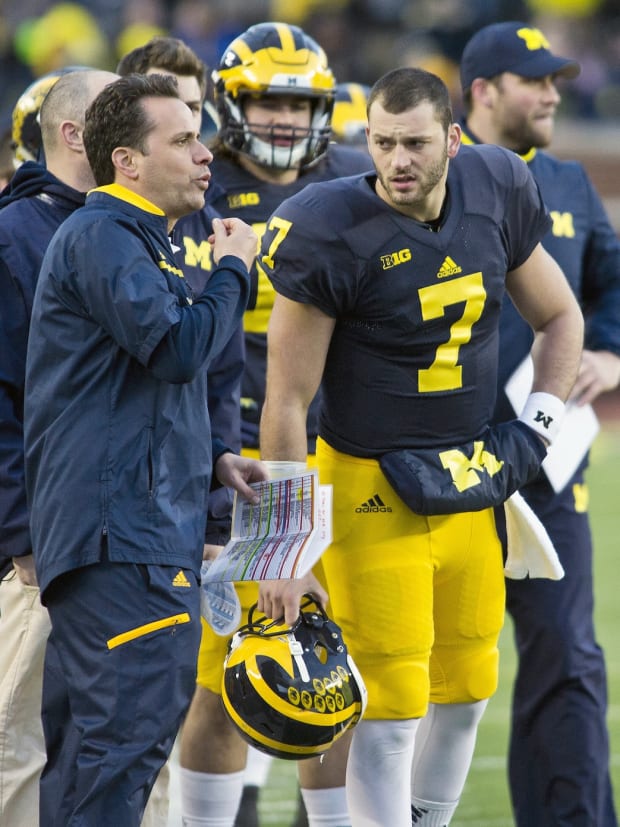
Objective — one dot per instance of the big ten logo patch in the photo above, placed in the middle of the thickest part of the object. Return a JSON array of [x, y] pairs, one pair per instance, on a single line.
[[394, 259], [243, 199]]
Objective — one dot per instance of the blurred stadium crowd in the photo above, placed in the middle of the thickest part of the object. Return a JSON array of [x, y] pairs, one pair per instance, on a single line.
[[362, 38]]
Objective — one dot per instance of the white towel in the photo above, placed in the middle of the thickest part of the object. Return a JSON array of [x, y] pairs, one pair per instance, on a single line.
[[530, 550]]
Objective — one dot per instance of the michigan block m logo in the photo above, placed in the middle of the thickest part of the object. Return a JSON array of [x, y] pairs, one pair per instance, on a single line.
[[562, 224], [465, 471], [534, 39]]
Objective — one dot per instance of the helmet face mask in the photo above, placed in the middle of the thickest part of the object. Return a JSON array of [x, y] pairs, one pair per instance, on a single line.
[[292, 691], [280, 60]]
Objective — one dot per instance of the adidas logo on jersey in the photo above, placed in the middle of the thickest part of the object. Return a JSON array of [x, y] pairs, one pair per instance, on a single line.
[[181, 580], [448, 268], [373, 506]]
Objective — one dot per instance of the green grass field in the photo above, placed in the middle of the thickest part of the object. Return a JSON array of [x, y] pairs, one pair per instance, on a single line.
[[485, 801]]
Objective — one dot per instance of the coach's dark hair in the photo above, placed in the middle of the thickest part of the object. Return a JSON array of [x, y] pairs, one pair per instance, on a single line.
[[168, 54], [117, 118], [402, 89]]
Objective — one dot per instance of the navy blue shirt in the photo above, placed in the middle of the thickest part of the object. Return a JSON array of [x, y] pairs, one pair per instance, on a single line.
[[413, 357]]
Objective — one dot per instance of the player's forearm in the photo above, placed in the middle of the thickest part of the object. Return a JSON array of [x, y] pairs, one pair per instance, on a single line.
[[283, 431], [557, 353]]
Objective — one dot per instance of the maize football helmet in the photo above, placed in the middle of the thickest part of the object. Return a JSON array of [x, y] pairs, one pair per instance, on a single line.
[[349, 115], [274, 59], [26, 129], [292, 691]]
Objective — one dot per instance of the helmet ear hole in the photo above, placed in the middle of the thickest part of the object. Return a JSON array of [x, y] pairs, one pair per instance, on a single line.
[[320, 652], [292, 691]]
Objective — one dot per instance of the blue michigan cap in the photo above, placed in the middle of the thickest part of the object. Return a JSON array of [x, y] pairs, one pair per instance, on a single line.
[[512, 47]]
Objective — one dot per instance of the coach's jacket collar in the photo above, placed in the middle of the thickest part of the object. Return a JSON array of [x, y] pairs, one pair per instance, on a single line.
[[124, 194]]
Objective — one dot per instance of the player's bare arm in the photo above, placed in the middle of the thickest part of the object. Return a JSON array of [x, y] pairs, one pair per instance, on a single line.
[[298, 339], [544, 298]]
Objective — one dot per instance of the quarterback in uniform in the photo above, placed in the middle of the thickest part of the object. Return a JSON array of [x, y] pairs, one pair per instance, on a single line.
[[389, 288], [274, 94]]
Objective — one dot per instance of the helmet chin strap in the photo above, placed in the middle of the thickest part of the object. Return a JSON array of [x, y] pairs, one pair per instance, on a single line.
[[297, 651]]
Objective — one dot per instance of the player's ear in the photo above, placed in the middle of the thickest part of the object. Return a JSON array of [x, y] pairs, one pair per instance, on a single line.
[[454, 139]]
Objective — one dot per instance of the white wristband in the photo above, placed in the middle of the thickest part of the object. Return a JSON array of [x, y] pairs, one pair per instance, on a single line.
[[284, 468], [543, 412]]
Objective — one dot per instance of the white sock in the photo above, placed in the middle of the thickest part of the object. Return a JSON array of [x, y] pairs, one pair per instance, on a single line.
[[444, 748], [379, 773], [209, 799], [257, 768], [431, 813], [327, 807]]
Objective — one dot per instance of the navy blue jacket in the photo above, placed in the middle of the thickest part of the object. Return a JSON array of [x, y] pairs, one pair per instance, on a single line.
[[116, 428], [32, 208], [226, 369]]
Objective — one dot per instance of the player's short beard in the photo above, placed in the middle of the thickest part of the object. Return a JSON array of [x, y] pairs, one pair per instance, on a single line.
[[427, 181]]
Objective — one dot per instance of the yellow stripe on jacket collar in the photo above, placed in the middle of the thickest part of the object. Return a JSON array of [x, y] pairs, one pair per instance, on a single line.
[[119, 191]]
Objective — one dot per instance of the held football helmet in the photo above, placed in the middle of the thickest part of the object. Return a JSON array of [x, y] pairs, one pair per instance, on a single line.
[[292, 691], [274, 59], [26, 128], [349, 115]]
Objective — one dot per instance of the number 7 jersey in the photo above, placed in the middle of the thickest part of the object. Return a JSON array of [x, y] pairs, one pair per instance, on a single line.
[[413, 357]]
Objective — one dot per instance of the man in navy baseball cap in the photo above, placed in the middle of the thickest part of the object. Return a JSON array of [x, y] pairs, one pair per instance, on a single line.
[[512, 47], [559, 745]]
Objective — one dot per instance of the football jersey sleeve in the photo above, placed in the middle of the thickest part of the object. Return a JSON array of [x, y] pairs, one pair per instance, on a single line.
[[526, 219], [303, 254]]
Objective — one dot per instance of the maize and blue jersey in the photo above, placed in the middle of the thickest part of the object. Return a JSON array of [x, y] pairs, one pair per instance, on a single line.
[[413, 357]]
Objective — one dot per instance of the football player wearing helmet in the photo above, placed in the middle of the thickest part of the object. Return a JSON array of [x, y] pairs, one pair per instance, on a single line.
[[274, 93], [389, 288]]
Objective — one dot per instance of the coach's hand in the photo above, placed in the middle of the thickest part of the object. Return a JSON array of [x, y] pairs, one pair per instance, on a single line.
[[233, 237], [237, 472]]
